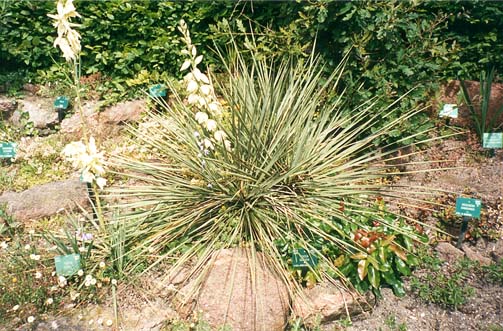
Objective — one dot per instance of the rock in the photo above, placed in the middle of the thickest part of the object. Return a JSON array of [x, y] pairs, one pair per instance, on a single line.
[[497, 251], [326, 302], [475, 256], [60, 323], [7, 108], [45, 200], [32, 88], [227, 296], [73, 124], [448, 252], [41, 114], [124, 112]]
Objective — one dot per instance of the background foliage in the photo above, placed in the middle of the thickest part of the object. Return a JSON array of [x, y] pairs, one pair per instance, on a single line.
[[393, 46]]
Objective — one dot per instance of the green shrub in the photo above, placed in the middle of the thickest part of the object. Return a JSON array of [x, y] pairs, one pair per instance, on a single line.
[[293, 158]]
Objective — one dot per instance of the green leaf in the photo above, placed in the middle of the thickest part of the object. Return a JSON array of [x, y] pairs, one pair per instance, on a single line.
[[402, 267], [374, 277]]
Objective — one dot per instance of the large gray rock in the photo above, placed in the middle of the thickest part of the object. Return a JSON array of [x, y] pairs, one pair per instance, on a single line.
[[326, 302], [40, 112], [497, 251], [448, 252], [228, 297], [73, 124], [103, 123], [475, 256], [128, 111], [7, 108], [45, 200]]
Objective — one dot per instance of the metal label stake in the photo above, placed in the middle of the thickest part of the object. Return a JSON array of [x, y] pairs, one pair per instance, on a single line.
[[464, 229]]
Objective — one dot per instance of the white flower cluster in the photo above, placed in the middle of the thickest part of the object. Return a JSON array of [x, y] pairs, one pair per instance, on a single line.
[[88, 159], [68, 39], [201, 94]]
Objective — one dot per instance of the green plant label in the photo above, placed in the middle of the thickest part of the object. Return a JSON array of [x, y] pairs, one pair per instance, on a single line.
[[302, 259], [7, 150], [449, 110], [67, 265], [157, 91], [492, 140], [61, 102], [468, 207]]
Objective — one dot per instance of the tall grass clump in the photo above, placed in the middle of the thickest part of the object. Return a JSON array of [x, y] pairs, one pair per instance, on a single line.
[[270, 164]]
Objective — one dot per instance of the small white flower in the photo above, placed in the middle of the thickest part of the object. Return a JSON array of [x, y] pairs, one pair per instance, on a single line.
[[109, 322], [91, 322], [206, 90], [228, 146], [62, 281], [114, 282], [38, 275], [215, 108], [200, 76], [211, 125], [192, 86], [102, 265], [196, 134], [35, 257], [100, 321], [185, 65], [101, 182], [208, 143], [87, 176], [49, 301], [193, 99], [220, 135], [27, 247], [80, 273], [93, 281], [201, 117], [16, 307], [31, 319], [74, 295]]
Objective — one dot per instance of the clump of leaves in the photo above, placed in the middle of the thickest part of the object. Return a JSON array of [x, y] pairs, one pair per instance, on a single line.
[[447, 288], [294, 158], [485, 120], [494, 272]]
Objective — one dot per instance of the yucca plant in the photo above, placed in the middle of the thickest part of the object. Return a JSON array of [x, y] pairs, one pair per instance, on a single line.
[[485, 122], [295, 169]]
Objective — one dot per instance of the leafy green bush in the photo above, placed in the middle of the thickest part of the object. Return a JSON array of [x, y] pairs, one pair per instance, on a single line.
[[275, 173]]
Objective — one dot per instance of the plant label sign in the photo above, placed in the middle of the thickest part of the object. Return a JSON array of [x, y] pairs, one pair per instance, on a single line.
[[492, 140], [449, 110], [61, 103], [7, 150], [157, 91], [468, 207], [67, 265], [302, 259]]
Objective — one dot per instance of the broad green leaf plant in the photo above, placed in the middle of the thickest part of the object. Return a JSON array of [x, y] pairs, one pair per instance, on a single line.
[[268, 159]]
